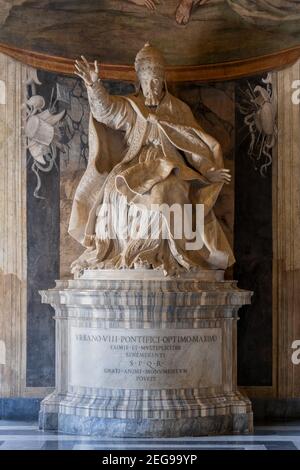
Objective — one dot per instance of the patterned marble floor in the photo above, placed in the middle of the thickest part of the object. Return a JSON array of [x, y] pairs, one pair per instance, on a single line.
[[26, 436]]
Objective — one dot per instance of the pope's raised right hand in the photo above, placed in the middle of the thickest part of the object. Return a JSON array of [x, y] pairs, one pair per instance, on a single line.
[[88, 74]]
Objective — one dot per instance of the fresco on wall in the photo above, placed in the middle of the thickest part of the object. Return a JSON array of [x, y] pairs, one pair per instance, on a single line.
[[258, 106], [42, 130], [190, 32], [254, 11]]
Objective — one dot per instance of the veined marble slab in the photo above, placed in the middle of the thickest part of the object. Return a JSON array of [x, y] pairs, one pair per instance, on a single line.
[[139, 359]]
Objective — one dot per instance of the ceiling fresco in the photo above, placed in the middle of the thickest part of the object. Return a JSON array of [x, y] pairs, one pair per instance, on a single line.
[[190, 32]]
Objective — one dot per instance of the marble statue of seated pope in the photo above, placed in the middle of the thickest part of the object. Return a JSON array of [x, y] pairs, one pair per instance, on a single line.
[[147, 152]]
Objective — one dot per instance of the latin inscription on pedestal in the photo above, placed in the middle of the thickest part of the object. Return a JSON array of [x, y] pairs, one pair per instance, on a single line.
[[138, 359]]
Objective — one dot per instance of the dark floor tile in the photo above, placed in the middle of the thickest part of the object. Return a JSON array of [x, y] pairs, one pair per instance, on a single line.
[[56, 445], [281, 445]]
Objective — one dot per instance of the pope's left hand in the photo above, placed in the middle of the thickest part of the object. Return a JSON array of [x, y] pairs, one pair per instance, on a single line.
[[219, 176]]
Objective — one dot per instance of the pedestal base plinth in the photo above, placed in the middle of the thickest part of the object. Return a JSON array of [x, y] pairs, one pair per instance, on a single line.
[[142, 355]]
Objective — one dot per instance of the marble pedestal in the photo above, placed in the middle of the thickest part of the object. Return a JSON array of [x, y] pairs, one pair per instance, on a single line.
[[138, 354]]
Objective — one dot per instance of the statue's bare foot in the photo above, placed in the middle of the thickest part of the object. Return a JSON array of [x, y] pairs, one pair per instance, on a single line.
[[183, 11]]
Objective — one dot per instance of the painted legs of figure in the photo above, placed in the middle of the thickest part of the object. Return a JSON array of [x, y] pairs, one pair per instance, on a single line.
[[184, 10]]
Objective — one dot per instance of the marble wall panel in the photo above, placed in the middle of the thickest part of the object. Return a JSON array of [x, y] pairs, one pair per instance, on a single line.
[[287, 227], [253, 235], [43, 232], [13, 237]]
